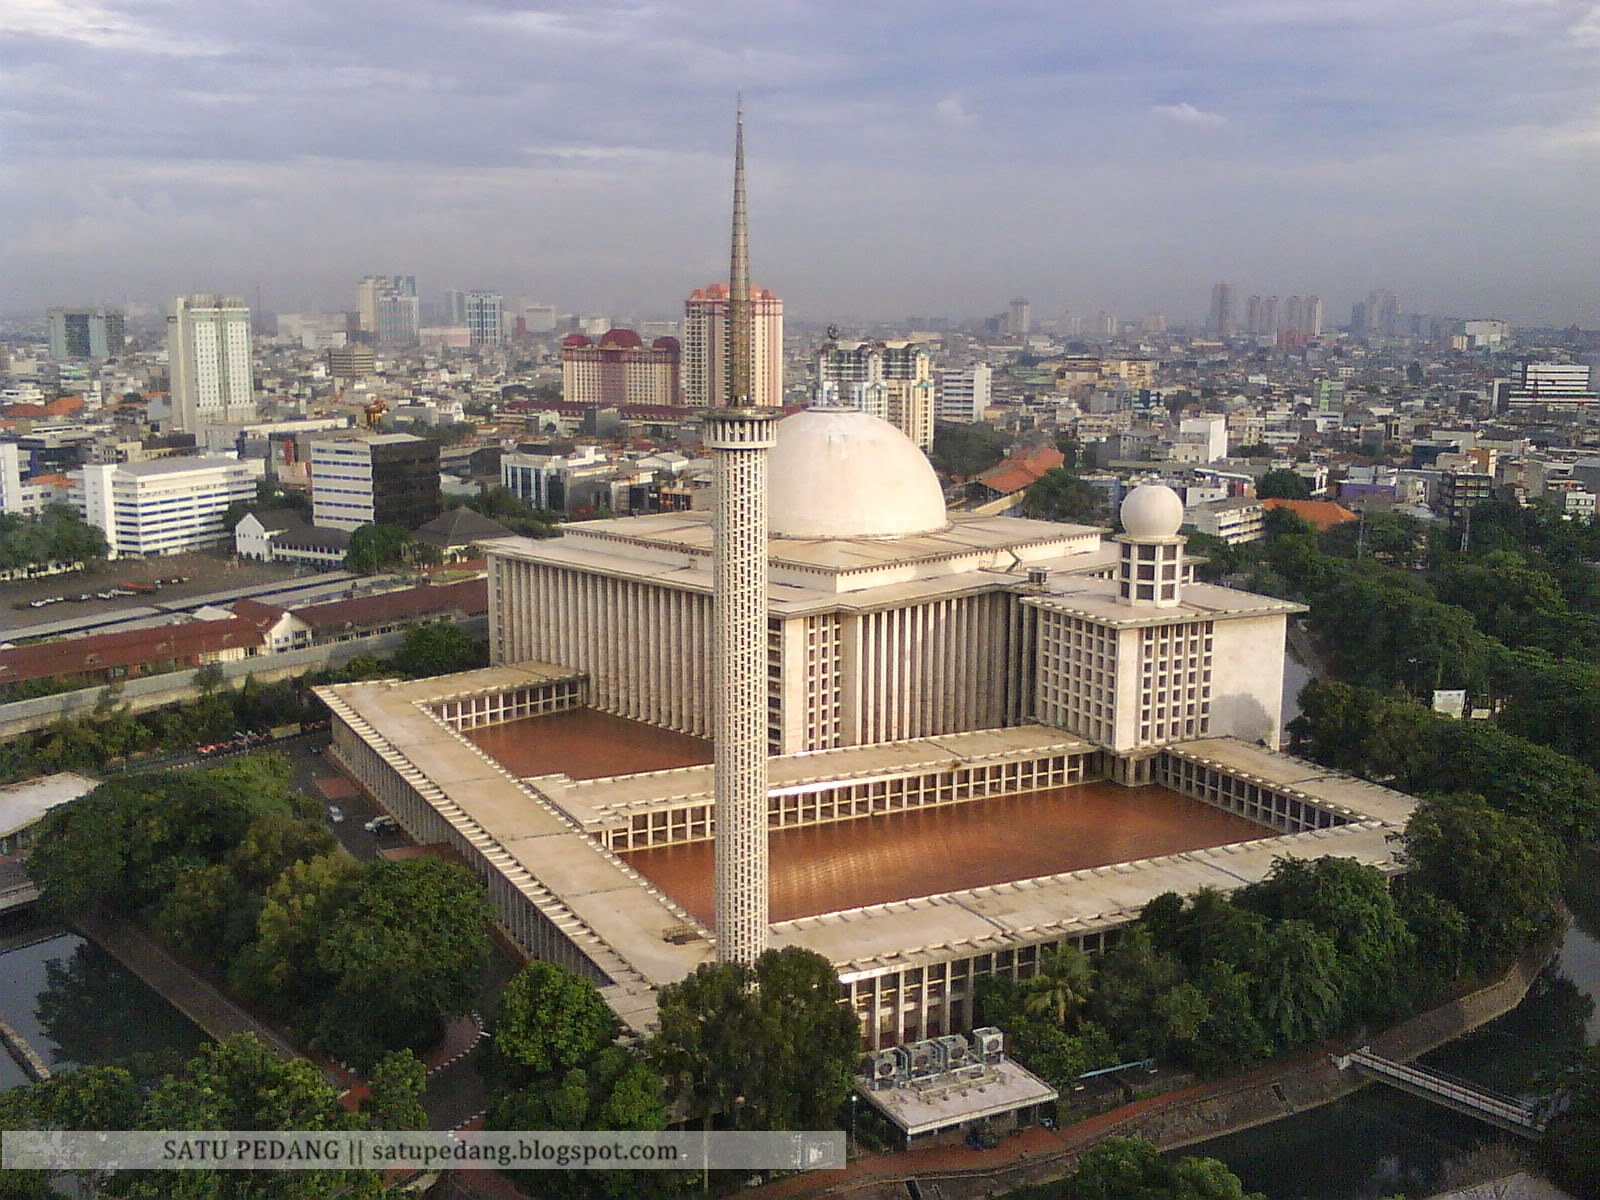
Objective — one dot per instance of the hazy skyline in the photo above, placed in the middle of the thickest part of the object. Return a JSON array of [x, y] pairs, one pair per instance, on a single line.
[[931, 158]]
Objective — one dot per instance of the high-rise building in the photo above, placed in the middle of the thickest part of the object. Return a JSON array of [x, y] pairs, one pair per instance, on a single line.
[[705, 341], [388, 309], [385, 479], [891, 380], [620, 369], [484, 314], [963, 394], [1019, 317], [208, 356], [1222, 317], [1313, 315], [85, 333]]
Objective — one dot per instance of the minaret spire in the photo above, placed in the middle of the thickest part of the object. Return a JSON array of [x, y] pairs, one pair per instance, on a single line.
[[741, 327], [739, 436]]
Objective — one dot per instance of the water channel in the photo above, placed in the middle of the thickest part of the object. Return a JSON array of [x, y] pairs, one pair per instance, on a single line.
[[1379, 1142], [77, 1006]]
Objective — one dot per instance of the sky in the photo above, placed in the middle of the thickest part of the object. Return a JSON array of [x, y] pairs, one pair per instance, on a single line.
[[931, 157]]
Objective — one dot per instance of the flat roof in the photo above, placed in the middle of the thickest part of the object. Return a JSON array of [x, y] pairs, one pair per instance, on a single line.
[[536, 835], [956, 1097], [21, 804]]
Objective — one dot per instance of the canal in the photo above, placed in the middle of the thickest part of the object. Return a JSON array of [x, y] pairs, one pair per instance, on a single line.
[[77, 1006], [1379, 1142]]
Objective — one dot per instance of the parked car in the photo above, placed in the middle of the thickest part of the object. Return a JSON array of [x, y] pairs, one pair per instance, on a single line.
[[379, 825], [335, 814]]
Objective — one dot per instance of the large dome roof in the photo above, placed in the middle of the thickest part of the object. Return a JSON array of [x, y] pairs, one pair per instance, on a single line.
[[840, 473]]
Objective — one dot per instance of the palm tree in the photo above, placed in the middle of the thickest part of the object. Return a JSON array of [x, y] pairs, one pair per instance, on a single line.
[[1061, 986]]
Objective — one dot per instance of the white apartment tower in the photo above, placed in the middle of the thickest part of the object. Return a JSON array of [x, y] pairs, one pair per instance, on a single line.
[[208, 354], [705, 347], [964, 394], [892, 381]]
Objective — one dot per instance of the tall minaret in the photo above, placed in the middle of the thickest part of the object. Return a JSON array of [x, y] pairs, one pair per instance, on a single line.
[[739, 437]]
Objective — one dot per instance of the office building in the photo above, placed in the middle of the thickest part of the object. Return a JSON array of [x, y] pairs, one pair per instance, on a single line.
[[164, 506], [890, 380], [85, 333], [388, 309], [705, 341], [483, 313], [964, 393], [1552, 387], [620, 369], [208, 358], [383, 479]]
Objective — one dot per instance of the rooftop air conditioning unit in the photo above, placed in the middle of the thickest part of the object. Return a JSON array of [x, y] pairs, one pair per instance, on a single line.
[[990, 1043], [920, 1059], [957, 1053], [886, 1065]]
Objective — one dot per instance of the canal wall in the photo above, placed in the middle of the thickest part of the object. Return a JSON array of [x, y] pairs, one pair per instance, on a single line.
[[1170, 1121], [24, 1055]]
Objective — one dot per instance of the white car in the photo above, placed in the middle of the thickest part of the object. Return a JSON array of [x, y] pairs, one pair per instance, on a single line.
[[335, 814]]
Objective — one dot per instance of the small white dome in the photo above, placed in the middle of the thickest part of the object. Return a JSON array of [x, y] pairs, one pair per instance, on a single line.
[[841, 473], [1152, 510]]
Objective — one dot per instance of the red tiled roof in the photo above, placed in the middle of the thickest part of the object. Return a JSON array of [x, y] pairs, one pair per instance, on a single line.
[[1020, 470], [470, 598], [1320, 514], [127, 650]]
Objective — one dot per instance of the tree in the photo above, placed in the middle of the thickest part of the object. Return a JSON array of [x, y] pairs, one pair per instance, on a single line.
[[765, 1047], [1570, 1149], [549, 1021], [1351, 904], [1498, 870], [377, 548], [397, 1084], [403, 956], [1300, 984], [239, 1084], [1059, 495], [1063, 985], [1130, 1169], [441, 648], [1142, 997], [963, 451], [1283, 484], [280, 968]]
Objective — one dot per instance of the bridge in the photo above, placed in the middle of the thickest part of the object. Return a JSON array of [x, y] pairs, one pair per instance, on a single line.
[[1523, 1117]]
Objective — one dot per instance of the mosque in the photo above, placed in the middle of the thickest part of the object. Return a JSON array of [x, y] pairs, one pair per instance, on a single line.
[[929, 746], [921, 667]]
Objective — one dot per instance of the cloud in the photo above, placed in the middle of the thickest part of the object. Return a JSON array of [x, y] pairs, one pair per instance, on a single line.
[[952, 113], [1188, 115], [95, 25]]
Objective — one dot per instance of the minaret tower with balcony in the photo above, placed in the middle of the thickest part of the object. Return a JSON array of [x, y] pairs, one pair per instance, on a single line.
[[739, 436]]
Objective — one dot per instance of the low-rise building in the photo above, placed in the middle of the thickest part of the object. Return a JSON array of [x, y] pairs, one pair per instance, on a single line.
[[165, 506]]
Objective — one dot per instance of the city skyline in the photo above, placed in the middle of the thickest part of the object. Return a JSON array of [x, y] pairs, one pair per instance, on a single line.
[[941, 159]]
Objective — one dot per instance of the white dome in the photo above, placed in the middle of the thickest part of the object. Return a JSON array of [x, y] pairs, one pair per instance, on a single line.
[[1152, 510], [840, 473]]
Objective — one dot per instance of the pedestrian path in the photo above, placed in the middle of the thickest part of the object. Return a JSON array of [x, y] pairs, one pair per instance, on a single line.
[[193, 996]]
